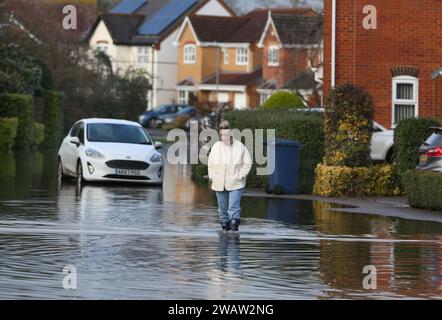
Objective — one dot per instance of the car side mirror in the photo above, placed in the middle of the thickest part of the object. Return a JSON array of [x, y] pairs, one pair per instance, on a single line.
[[158, 145], [75, 140]]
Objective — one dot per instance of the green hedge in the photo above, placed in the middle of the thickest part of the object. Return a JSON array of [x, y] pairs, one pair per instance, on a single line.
[[408, 137], [22, 107], [283, 100], [339, 181], [8, 132], [53, 118], [424, 189], [304, 127], [39, 134]]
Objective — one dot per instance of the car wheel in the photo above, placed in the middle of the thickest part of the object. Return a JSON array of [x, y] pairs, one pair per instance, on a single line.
[[80, 178], [61, 177], [391, 157]]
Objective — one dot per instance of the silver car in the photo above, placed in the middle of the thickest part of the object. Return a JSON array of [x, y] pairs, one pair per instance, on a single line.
[[431, 152]]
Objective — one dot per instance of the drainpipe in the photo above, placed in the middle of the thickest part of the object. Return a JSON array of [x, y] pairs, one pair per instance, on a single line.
[[333, 45]]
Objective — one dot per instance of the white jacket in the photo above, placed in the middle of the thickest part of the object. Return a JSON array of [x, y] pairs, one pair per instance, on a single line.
[[229, 166]]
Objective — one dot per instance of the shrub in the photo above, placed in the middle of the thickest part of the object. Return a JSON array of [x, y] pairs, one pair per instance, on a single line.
[[181, 121], [409, 136], [22, 107], [39, 134], [8, 132], [283, 100], [53, 118], [423, 189], [340, 181], [348, 127], [306, 128]]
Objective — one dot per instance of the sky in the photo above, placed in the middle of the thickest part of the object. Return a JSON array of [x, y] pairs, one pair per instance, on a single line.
[[243, 6]]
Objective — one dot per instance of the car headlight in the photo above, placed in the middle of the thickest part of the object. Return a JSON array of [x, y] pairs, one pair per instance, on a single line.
[[94, 154], [168, 120], [156, 157]]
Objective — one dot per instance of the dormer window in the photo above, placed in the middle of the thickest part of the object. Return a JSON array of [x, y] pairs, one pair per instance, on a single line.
[[190, 54]]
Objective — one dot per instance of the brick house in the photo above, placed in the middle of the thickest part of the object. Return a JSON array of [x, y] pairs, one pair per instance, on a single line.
[[219, 59], [225, 59], [292, 52], [391, 48]]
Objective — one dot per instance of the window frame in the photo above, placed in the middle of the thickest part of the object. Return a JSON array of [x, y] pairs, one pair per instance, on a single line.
[[143, 52], [226, 56], [270, 55], [187, 55], [183, 100], [245, 55], [394, 101]]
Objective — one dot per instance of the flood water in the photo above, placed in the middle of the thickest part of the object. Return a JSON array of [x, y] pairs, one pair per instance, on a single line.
[[138, 242]]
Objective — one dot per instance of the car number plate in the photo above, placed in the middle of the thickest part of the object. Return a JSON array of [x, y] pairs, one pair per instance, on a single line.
[[424, 158], [127, 172]]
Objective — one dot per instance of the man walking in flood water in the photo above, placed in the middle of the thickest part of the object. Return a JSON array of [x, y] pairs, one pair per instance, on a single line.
[[229, 164]]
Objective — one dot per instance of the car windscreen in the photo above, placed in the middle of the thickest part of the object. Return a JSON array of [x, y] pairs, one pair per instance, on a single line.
[[435, 139], [117, 133]]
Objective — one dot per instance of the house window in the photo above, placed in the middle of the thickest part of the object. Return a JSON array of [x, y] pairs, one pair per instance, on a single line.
[[189, 54], [405, 98], [102, 48], [274, 56], [143, 55], [264, 97], [183, 97], [242, 56], [226, 55]]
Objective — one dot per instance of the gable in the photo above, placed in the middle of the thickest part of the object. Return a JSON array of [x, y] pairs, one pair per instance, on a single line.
[[214, 8], [101, 34], [187, 35], [270, 36]]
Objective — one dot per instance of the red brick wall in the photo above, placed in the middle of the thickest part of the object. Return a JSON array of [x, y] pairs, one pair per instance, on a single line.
[[408, 34], [291, 61]]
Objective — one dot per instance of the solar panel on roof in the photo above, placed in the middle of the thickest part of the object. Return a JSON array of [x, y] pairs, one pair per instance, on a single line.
[[128, 6], [166, 16]]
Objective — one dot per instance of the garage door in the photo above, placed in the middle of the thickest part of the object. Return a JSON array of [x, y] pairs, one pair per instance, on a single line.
[[240, 101]]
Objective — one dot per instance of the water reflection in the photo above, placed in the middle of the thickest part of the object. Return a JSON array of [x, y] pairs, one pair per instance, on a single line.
[[131, 241]]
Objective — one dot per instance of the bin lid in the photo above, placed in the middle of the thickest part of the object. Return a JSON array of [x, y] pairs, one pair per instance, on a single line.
[[284, 143]]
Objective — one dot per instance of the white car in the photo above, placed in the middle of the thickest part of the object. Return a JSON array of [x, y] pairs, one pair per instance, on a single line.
[[110, 150], [382, 143], [382, 140]]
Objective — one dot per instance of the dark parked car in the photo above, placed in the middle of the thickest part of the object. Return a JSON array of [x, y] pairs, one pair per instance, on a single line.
[[152, 118], [188, 111], [431, 152]]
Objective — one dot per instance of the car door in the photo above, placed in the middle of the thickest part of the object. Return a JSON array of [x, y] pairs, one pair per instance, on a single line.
[[73, 149], [376, 143]]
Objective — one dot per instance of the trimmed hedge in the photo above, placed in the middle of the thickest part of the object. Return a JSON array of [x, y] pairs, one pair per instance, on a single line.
[[8, 132], [20, 106], [338, 181], [53, 118], [304, 127], [424, 189], [283, 100], [408, 137], [39, 134], [348, 127]]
